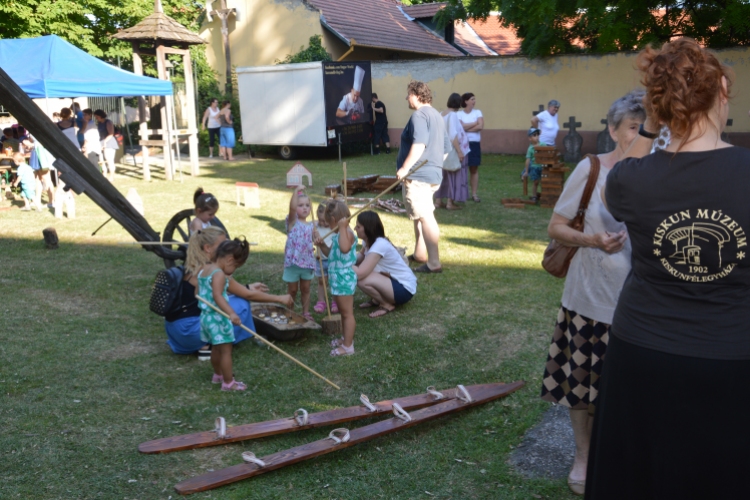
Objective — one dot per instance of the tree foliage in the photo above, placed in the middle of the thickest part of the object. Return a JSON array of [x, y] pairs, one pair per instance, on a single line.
[[315, 52], [549, 27]]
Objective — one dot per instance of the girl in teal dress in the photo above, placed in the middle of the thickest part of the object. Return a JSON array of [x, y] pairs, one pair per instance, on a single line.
[[342, 255], [215, 328]]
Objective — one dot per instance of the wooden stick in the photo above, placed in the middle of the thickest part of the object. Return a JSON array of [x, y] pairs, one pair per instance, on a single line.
[[344, 183], [251, 243], [398, 181], [325, 288], [526, 186], [269, 344]]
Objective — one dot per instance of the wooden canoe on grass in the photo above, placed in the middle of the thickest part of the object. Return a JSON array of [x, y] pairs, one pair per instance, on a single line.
[[291, 424], [479, 394]]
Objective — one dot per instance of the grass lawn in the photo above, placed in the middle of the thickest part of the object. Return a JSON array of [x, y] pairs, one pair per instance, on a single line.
[[86, 375]]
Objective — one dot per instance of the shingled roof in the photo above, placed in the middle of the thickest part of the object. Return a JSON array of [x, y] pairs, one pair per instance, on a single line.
[[500, 39], [159, 26], [379, 24], [466, 38], [424, 10]]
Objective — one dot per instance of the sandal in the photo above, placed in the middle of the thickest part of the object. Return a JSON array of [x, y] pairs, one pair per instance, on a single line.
[[369, 304], [424, 268], [337, 342], [411, 258], [380, 312], [475, 198], [453, 207], [342, 350], [217, 379], [576, 486], [320, 307], [308, 316], [233, 386], [334, 308]]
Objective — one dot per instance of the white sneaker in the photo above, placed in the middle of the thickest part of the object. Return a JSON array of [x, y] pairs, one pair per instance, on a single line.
[[210, 156]]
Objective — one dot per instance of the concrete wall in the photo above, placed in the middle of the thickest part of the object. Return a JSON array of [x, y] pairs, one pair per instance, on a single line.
[[508, 89]]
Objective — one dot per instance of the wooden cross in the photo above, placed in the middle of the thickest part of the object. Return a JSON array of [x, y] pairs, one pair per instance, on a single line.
[[572, 124], [729, 122], [603, 122], [541, 108]]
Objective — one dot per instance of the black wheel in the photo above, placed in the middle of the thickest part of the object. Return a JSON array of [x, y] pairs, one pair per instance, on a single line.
[[287, 152], [178, 229]]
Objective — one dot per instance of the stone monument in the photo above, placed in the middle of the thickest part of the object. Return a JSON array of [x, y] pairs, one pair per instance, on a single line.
[[604, 142], [572, 142]]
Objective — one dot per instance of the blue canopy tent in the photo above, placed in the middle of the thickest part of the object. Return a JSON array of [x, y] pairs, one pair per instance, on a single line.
[[48, 66]]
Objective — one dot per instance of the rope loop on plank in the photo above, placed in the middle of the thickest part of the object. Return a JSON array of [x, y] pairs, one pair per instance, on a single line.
[[463, 394], [438, 395], [250, 458], [366, 401], [220, 427], [343, 432], [301, 416], [401, 413]]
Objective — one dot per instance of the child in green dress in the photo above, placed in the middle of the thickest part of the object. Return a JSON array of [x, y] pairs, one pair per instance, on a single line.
[[215, 328], [342, 254]]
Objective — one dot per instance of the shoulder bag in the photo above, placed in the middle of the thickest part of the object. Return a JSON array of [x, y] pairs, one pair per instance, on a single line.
[[557, 256]]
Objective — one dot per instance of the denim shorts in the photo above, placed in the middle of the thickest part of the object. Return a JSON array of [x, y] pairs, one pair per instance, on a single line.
[[293, 274], [400, 294], [318, 274]]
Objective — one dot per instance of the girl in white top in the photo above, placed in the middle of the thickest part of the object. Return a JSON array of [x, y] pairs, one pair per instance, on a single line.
[[211, 121], [92, 146], [546, 121], [381, 271], [473, 122]]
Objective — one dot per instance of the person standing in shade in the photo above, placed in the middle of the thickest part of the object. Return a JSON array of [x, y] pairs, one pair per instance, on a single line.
[[380, 125], [473, 122], [546, 121], [109, 143], [424, 139], [226, 137], [211, 121]]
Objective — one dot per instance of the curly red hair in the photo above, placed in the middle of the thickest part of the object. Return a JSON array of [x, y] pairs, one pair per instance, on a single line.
[[683, 81]]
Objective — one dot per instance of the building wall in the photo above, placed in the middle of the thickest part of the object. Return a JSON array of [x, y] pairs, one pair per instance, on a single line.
[[508, 89]]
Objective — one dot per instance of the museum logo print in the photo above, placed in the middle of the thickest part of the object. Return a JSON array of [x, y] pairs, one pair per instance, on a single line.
[[699, 245]]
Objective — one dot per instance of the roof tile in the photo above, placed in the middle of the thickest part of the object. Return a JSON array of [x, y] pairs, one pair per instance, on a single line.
[[500, 39], [423, 10]]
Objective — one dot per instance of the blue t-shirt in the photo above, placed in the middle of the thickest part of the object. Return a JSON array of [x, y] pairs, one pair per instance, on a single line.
[[26, 174]]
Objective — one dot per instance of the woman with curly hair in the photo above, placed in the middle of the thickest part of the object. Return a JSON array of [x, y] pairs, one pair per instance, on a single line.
[[671, 418]]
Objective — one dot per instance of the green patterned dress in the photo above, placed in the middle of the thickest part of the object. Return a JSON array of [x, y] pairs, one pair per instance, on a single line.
[[341, 276], [215, 328]]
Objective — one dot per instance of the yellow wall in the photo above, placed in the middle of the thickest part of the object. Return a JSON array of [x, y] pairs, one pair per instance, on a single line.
[[508, 89]]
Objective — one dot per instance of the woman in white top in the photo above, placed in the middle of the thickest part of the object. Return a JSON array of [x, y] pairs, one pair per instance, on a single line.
[[381, 271], [455, 184], [546, 121], [67, 126], [92, 145], [473, 123], [592, 286], [211, 120]]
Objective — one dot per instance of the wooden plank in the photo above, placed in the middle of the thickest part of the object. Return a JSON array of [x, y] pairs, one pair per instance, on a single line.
[[286, 425], [281, 459]]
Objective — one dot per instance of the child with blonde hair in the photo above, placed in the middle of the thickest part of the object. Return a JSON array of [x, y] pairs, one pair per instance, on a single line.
[[299, 260], [216, 329], [206, 206], [322, 227], [342, 255]]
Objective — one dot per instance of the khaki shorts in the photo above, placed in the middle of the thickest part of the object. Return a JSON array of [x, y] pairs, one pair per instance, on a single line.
[[418, 198]]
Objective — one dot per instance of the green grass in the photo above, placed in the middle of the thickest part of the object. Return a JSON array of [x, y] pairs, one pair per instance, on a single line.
[[86, 375]]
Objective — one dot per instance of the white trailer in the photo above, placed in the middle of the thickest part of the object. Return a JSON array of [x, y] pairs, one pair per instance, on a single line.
[[285, 105]]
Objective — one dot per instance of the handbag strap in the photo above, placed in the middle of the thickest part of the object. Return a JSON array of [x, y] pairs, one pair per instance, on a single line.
[[589, 189]]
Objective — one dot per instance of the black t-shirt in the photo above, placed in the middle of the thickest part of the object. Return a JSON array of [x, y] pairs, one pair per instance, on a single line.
[[687, 214], [381, 119]]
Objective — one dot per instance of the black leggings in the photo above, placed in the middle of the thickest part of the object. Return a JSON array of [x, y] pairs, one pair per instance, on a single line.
[[213, 136]]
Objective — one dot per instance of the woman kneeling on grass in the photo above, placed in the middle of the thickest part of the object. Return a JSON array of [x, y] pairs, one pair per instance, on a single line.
[[382, 273], [183, 328]]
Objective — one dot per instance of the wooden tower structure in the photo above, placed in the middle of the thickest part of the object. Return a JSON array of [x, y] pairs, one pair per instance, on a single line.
[[159, 35]]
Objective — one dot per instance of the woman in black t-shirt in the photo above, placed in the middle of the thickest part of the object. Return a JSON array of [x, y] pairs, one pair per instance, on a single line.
[[671, 419]]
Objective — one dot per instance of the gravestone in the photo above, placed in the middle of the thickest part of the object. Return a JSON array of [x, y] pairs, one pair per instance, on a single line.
[[572, 142], [541, 108], [724, 136], [604, 142]]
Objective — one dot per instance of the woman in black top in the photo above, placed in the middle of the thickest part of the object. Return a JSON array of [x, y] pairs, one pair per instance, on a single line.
[[671, 419]]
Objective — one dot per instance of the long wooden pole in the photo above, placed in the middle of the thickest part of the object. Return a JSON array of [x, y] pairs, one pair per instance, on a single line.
[[251, 243], [325, 288], [269, 344], [369, 203]]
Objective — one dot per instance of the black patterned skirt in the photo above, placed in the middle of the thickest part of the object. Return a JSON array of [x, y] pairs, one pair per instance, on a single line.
[[575, 361]]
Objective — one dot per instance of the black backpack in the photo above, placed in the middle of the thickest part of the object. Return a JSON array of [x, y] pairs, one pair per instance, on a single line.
[[166, 293]]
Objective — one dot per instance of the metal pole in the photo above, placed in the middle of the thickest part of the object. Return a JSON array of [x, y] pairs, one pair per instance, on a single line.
[[339, 147]]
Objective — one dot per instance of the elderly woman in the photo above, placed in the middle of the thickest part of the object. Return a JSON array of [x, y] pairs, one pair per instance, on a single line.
[[455, 186], [546, 121], [183, 328], [381, 271], [672, 417], [592, 286]]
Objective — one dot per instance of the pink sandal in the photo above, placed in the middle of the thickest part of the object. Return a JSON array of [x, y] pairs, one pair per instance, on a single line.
[[334, 307], [217, 379], [308, 316], [233, 386], [337, 342], [320, 307], [342, 350]]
